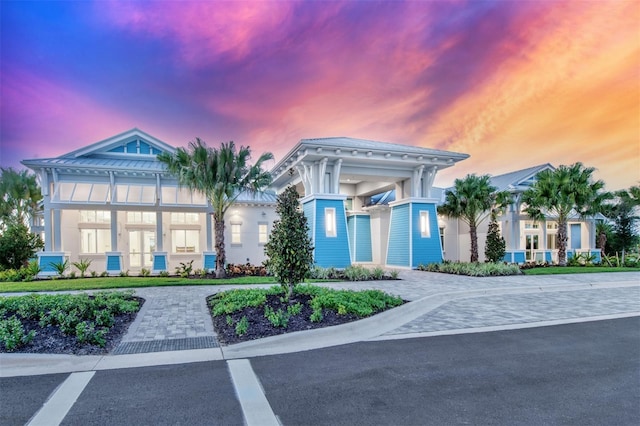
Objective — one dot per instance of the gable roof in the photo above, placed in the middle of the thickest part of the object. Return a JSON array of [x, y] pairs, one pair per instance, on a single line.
[[130, 150], [518, 180]]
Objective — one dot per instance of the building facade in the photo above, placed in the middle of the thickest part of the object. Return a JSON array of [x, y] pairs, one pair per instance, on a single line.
[[366, 202]]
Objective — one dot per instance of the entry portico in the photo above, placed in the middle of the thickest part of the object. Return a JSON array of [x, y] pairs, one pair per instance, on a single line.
[[339, 176]]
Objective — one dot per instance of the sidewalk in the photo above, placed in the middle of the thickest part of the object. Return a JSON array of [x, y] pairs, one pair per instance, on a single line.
[[174, 325]]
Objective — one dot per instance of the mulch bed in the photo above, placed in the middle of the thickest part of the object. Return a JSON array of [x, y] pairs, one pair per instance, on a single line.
[[50, 340], [259, 326]]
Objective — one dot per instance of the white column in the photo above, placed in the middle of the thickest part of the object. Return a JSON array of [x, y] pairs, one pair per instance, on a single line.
[[114, 230], [48, 236], [159, 234], [57, 235], [209, 228]]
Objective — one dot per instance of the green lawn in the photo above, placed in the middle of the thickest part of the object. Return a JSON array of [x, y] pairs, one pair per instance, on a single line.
[[122, 282], [555, 270]]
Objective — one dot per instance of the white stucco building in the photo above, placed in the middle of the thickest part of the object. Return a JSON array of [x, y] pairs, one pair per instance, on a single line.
[[369, 202]]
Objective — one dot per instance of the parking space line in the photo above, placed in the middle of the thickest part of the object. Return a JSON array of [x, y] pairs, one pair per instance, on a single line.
[[255, 407], [61, 400]]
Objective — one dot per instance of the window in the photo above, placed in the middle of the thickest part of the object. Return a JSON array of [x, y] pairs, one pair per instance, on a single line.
[[95, 240], [185, 240], [531, 225], [185, 218], [235, 233], [425, 232], [82, 192], [263, 233], [183, 196], [552, 225], [136, 194], [552, 241], [442, 237], [330, 221], [93, 216], [147, 218]]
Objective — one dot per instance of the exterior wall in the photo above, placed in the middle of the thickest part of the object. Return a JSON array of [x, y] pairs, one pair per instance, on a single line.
[[398, 253], [359, 227], [425, 249], [250, 249], [329, 251], [407, 246]]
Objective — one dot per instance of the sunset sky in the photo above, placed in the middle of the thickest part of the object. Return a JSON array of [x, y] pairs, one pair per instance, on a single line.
[[512, 83]]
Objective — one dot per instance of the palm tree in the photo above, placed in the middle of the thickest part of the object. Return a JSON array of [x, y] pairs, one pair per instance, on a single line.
[[560, 192], [220, 174], [471, 200], [19, 196]]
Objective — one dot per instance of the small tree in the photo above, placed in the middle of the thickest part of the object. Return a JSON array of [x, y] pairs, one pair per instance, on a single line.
[[495, 246], [17, 246], [289, 250]]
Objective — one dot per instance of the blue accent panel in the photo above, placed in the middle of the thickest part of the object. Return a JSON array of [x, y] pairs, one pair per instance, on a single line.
[[425, 249], [331, 251], [598, 256], [518, 257], [209, 261], [307, 209], [113, 263], [160, 262], [132, 147], [155, 151], [399, 238], [145, 148], [47, 262], [547, 256], [363, 250], [576, 236], [117, 149]]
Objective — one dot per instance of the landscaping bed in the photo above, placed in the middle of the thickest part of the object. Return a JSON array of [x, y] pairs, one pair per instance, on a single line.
[[77, 324], [243, 315]]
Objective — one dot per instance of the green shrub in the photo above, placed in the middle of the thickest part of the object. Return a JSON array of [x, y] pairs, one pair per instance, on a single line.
[[184, 269], [473, 269], [60, 267], [356, 273], [289, 249], [277, 318], [377, 273], [82, 265], [236, 300], [91, 317], [12, 334], [164, 274], [145, 272], [242, 327]]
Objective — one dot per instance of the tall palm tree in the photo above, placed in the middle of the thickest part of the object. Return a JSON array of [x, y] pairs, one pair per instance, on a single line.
[[471, 200], [19, 196], [220, 174], [558, 193]]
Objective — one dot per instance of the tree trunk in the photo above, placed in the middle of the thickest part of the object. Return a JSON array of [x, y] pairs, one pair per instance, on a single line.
[[562, 242], [221, 256], [473, 233], [602, 241]]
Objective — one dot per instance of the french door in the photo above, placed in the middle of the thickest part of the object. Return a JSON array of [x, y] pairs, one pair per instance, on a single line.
[[532, 245], [142, 244]]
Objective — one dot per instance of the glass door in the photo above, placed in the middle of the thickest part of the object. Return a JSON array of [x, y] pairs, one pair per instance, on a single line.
[[142, 244], [532, 245]]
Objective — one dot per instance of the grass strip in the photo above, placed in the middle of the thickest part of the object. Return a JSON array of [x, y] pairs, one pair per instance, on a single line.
[[559, 270]]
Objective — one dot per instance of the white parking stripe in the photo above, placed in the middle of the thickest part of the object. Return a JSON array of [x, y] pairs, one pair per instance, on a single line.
[[255, 407], [61, 400]]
